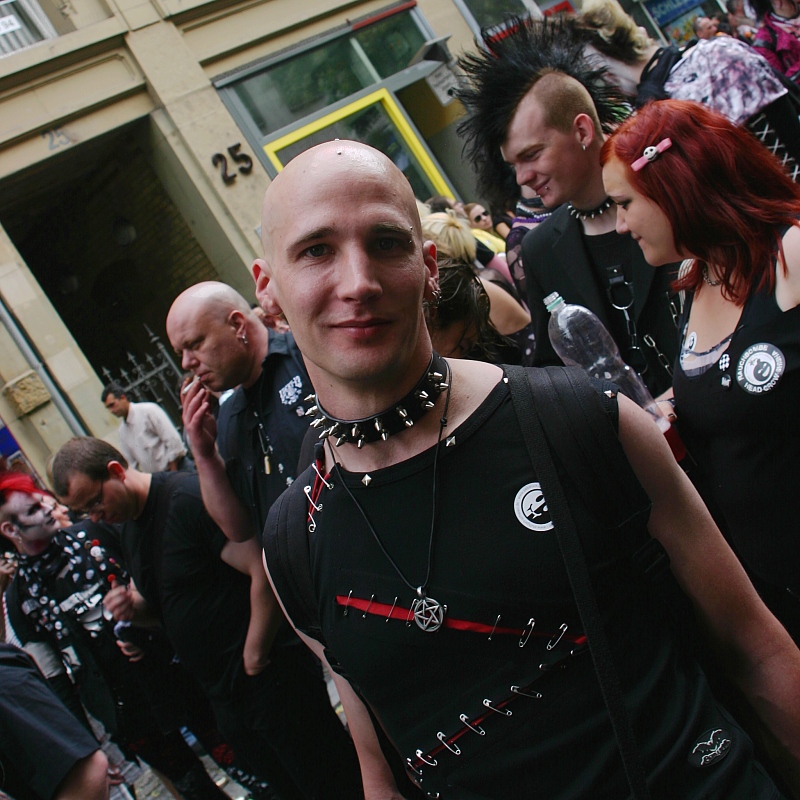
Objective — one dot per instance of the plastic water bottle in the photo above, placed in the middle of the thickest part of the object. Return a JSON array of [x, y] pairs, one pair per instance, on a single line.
[[580, 339]]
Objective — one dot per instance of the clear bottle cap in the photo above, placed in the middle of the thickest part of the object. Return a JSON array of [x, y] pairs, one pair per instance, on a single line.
[[552, 300]]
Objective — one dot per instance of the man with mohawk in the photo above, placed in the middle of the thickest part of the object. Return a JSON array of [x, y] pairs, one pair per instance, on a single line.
[[538, 106]]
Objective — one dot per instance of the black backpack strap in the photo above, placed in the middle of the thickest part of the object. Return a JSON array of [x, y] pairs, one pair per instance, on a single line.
[[288, 555], [529, 394]]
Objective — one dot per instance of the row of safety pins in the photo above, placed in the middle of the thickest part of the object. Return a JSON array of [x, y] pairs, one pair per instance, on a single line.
[[523, 640], [474, 726], [307, 490]]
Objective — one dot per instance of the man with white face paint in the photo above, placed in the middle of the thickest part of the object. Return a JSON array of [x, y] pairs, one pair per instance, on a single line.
[[538, 106], [443, 608], [55, 605]]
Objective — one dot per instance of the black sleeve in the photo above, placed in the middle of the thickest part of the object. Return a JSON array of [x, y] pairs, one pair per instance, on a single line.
[[39, 738]]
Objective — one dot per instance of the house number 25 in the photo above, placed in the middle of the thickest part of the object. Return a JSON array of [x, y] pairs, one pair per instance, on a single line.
[[220, 161]]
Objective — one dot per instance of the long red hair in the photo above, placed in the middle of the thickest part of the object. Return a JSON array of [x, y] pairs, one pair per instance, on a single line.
[[725, 195]]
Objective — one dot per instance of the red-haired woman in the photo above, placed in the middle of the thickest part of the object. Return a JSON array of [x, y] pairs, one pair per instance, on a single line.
[[690, 185]]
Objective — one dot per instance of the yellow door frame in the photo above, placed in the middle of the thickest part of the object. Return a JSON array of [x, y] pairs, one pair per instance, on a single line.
[[389, 104]]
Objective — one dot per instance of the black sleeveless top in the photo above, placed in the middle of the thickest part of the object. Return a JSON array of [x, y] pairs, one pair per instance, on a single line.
[[740, 421], [511, 659]]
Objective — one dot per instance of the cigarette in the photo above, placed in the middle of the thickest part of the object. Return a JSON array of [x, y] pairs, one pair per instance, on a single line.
[[189, 385]]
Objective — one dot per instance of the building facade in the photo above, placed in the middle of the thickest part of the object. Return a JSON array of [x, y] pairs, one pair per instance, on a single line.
[[137, 138]]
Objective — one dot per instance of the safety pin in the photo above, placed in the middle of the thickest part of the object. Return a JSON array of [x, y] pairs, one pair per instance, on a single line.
[[526, 634], [412, 767], [453, 748], [488, 704], [410, 616], [366, 610], [328, 484], [534, 695], [421, 756], [433, 795], [347, 604], [389, 615], [307, 492], [562, 630], [494, 627], [477, 728]]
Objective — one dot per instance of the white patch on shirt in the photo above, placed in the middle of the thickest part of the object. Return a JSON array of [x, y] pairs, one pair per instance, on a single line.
[[290, 393], [530, 506]]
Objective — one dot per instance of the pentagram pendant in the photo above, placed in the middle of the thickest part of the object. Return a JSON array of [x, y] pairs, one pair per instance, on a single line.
[[428, 613]]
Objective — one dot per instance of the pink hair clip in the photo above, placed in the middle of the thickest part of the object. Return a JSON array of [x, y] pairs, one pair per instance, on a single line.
[[651, 154]]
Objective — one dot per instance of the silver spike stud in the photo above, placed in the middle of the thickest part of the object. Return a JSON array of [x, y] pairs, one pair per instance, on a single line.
[[422, 395], [428, 404], [435, 376], [366, 480], [402, 412], [319, 421], [409, 423], [312, 398], [355, 432], [360, 443], [341, 440], [384, 435], [378, 425], [311, 411]]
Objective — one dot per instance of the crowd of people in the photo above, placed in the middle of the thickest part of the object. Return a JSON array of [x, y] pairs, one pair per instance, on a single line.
[[513, 586]]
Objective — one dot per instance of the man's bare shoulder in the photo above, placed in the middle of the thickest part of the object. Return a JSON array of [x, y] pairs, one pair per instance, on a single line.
[[471, 381]]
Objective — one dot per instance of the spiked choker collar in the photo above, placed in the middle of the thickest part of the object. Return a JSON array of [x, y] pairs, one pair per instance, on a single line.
[[392, 420], [592, 212]]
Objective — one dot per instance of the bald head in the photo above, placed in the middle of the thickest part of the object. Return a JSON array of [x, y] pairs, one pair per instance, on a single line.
[[343, 159], [209, 297], [217, 335]]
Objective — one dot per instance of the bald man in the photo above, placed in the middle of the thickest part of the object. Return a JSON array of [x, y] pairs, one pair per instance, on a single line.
[[248, 455], [439, 594]]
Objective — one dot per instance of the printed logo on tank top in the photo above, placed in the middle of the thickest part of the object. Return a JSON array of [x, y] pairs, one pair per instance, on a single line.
[[530, 506], [711, 747], [760, 368]]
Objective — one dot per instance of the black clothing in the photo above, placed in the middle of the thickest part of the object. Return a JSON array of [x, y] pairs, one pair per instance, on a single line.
[[555, 258], [739, 421], [40, 740], [56, 599], [276, 401], [173, 551], [497, 566], [55, 605]]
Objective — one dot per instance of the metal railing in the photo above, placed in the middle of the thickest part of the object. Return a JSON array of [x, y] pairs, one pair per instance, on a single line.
[[155, 379]]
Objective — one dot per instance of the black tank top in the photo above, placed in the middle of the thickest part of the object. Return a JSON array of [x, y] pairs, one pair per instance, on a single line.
[[739, 419], [512, 623]]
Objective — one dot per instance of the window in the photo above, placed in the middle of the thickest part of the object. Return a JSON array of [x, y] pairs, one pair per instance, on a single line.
[[376, 120], [296, 87], [22, 24], [493, 13]]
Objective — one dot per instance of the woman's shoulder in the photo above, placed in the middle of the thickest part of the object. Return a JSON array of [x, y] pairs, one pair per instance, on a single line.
[[787, 289]]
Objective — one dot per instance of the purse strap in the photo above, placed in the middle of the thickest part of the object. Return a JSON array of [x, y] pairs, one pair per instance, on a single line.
[[525, 385]]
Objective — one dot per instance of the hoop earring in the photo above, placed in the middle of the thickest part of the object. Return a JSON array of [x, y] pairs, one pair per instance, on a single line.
[[436, 297], [243, 339]]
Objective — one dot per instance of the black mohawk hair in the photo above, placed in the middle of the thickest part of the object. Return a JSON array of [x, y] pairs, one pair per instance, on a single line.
[[501, 73]]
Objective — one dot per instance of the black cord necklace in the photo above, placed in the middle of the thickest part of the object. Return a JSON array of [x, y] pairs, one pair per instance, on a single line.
[[388, 422], [428, 613]]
